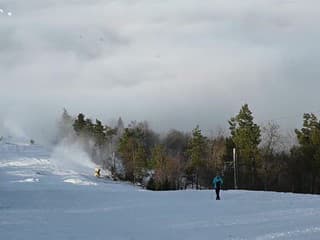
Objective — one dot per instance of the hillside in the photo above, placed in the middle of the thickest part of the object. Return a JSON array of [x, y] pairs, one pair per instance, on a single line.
[[41, 200]]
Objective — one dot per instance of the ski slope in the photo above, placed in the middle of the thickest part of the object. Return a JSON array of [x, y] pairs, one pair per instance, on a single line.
[[41, 200]]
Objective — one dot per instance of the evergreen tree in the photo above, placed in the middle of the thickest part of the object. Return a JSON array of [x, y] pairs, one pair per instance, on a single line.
[[309, 140], [66, 117], [99, 133], [120, 126], [65, 125], [246, 137], [197, 151], [89, 128], [79, 124]]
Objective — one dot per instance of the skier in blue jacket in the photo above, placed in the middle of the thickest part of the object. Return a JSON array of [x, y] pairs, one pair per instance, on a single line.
[[217, 183]]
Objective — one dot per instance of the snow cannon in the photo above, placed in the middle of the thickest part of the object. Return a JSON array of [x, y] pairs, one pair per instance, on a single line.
[[97, 172]]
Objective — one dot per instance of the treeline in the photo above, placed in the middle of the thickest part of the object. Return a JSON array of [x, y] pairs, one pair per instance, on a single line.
[[179, 160]]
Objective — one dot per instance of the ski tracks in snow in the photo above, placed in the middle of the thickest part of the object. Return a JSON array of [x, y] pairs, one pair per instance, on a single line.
[[300, 233]]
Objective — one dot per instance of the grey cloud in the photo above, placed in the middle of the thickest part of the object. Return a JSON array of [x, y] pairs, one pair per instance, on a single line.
[[176, 63]]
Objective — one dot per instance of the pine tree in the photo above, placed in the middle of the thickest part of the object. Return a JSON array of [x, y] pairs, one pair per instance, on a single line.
[[246, 136], [309, 140], [65, 125], [79, 124], [120, 127], [99, 133], [89, 128], [197, 151]]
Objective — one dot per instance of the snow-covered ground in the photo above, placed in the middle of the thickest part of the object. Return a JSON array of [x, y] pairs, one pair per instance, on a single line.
[[41, 200]]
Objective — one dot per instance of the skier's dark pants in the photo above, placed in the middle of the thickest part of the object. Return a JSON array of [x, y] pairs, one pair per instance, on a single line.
[[218, 193]]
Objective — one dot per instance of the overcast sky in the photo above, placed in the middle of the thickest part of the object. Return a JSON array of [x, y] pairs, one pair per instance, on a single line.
[[175, 63]]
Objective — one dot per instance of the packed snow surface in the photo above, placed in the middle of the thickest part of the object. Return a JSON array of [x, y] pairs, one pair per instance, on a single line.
[[40, 200]]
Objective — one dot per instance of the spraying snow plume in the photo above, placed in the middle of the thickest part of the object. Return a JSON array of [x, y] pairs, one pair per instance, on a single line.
[[70, 156], [12, 128]]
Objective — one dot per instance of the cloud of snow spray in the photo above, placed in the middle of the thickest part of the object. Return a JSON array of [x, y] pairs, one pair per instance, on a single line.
[[12, 128], [21, 124], [69, 156]]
